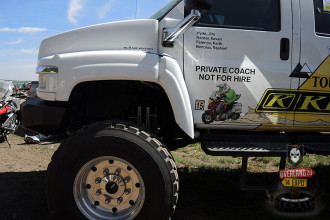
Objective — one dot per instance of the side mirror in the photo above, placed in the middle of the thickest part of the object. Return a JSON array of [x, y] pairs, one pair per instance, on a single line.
[[200, 5]]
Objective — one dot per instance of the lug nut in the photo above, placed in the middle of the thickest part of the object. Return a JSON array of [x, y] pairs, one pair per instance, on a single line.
[[120, 200], [118, 170], [127, 191], [98, 180], [98, 192], [106, 171], [127, 179], [107, 200]]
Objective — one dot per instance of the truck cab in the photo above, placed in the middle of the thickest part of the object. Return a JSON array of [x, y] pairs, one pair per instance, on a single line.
[[268, 53], [229, 72]]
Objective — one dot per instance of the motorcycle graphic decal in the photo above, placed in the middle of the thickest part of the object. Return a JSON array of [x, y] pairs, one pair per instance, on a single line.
[[222, 105]]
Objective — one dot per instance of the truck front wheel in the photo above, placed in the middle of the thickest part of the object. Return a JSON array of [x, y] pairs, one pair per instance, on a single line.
[[112, 171]]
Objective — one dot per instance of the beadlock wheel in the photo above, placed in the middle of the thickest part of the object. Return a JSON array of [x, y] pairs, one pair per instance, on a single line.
[[113, 171], [109, 188]]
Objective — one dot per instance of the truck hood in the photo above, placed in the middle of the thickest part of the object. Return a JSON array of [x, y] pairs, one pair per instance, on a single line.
[[122, 35]]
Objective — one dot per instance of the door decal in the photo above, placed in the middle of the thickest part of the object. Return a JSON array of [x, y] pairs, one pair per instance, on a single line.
[[309, 105], [222, 105]]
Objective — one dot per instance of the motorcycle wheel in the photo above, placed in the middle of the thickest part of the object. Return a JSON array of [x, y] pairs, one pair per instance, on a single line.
[[235, 116], [207, 118], [223, 117]]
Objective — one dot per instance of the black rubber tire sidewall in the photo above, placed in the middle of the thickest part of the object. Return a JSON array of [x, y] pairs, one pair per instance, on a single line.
[[283, 203], [77, 151]]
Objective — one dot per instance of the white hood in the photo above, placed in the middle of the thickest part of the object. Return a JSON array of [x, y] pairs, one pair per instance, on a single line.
[[122, 35]]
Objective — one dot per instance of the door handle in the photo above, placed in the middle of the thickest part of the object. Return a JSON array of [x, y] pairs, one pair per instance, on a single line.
[[285, 49]]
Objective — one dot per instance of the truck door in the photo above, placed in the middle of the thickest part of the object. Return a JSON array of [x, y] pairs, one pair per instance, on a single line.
[[313, 87], [233, 55]]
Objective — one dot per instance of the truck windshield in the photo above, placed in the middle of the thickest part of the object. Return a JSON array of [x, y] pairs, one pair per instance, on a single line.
[[161, 13]]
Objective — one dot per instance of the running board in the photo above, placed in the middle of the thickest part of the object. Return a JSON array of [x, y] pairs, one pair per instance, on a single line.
[[262, 145], [245, 145], [259, 145]]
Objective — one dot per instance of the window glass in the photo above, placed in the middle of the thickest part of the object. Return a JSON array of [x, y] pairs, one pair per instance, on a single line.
[[158, 15], [322, 18], [245, 14]]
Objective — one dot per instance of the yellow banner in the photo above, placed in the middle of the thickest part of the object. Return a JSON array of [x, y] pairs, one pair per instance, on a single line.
[[295, 182]]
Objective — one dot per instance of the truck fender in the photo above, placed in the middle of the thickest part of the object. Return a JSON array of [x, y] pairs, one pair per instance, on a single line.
[[75, 68], [78, 67], [172, 81]]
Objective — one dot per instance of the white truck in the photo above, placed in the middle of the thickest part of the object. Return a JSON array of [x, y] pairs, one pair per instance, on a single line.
[[244, 77]]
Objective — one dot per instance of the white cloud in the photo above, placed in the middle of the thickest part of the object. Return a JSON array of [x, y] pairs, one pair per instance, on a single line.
[[20, 40], [73, 11], [105, 9], [23, 29]]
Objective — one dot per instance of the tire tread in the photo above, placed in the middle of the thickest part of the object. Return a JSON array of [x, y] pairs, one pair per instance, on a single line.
[[141, 132]]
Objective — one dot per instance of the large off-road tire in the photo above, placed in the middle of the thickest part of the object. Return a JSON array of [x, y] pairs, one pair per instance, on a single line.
[[112, 170], [305, 203], [207, 118]]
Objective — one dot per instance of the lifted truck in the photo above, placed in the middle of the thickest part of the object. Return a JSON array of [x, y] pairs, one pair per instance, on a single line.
[[244, 77]]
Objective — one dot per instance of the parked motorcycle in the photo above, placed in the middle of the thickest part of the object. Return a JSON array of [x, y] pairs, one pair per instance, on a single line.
[[220, 111], [9, 108]]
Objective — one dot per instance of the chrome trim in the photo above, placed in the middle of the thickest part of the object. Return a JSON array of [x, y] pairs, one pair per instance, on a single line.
[[93, 198], [171, 34], [47, 69]]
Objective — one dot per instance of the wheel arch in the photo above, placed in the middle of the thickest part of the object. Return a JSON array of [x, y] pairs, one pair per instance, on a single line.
[[91, 66]]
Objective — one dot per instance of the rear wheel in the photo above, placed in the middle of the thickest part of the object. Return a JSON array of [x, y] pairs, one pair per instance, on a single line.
[[112, 171], [235, 116]]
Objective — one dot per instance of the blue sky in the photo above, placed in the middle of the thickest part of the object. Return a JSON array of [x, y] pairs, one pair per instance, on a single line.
[[25, 23]]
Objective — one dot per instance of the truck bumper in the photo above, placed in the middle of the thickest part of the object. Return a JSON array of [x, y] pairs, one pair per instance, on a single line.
[[41, 116]]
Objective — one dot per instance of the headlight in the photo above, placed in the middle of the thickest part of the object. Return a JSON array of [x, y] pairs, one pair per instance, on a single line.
[[47, 78]]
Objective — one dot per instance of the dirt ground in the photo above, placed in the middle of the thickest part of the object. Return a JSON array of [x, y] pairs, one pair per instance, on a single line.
[[204, 193]]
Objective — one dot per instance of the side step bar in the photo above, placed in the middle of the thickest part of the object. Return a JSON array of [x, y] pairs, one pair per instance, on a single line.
[[245, 145], [262, 145]]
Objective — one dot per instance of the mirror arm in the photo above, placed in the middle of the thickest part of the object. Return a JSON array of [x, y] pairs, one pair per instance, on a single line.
[[171, 34]]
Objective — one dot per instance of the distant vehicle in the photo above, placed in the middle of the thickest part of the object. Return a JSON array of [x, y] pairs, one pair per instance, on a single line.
[[9, 108], [33, 89]]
